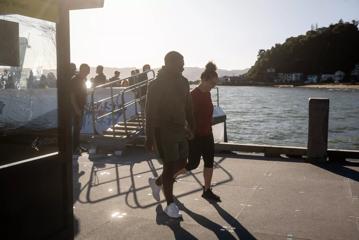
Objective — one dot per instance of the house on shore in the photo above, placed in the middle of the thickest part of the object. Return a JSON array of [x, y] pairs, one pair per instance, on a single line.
[[354, 75], [289, 78], [311, 79], [224, 80], [337, 77]]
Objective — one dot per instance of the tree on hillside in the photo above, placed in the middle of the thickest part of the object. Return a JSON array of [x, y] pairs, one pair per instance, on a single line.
[[320, 50]]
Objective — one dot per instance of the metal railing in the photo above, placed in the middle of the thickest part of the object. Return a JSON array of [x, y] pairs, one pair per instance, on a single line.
[[139, 98], [216, 96], [215, 101]]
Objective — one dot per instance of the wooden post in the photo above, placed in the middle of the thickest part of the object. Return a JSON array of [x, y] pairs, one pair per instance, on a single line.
[[318, 129], [64, 110]]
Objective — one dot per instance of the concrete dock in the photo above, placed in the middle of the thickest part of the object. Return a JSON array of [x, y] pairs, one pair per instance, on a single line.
[[262, 198]]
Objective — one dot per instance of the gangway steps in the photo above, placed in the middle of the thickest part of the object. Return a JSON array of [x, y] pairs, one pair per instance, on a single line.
[[118, 134], [130, 128]]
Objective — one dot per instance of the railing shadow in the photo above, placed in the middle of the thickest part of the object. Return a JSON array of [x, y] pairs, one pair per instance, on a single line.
[[94, 182], [99, 165], [133, 190]]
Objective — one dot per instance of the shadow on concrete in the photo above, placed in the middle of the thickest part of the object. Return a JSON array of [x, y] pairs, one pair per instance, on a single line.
[[134, 190], [100, 165], [94, 182], [220, 231], [76, 175], [173, 224], [241, 231], [241, 156], [341, 169]]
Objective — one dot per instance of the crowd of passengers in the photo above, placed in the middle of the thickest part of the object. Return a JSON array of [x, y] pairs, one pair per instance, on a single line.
[[10, 80], [100, 78]]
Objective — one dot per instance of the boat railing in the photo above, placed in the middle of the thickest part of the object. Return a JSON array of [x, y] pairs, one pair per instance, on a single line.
[[138, 99], [214, 94], [216, 100]]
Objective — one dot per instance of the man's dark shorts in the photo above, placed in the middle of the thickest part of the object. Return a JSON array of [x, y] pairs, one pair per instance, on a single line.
[[171, 144]]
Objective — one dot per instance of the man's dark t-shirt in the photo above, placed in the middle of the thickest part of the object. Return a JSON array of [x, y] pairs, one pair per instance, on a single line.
[[143, 90], [79, 91], [100, 79], [114, 79]]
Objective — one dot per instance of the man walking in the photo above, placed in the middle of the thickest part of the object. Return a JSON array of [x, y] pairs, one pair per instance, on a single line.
[[168, 112], [78, 101]]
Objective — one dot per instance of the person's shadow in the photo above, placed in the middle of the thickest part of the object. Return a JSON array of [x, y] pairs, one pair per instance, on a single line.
[[217, 229], [173, 224], [241, 231]]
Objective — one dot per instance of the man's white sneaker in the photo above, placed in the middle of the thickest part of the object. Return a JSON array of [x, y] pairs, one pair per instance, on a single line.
[[155, 188], [172, 211]]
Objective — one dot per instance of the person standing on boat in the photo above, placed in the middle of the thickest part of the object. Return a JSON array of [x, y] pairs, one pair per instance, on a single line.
[[132, 79], [116, 76], [100, 77], [142, 91], [168, 111], [78, 101], [73, 69], [202, 145]]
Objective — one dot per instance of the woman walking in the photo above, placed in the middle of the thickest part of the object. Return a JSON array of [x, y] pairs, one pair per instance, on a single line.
[[202, 145]]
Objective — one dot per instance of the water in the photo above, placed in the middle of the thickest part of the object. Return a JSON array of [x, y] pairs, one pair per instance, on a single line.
[[279, 116]]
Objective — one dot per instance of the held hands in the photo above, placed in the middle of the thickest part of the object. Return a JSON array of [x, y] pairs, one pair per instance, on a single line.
[[189, 134], [77, 112], [149, 145]]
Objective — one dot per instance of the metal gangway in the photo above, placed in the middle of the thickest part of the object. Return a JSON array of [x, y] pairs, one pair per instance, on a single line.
[[120, 119]]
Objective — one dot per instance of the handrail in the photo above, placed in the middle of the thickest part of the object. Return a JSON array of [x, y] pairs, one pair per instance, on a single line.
[[124, 105], [216, 96], [127, 78], [131, 102]]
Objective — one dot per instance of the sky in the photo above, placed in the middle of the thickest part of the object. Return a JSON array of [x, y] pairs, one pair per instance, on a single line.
[[130, 33]]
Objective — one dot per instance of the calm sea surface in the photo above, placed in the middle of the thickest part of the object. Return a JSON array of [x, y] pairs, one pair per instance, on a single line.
[[279, 116]]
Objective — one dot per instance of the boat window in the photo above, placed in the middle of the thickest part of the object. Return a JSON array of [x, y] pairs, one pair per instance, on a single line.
[[28, 94]]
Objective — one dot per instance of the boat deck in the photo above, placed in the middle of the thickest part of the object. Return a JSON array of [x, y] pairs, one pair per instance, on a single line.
[[262, 198]]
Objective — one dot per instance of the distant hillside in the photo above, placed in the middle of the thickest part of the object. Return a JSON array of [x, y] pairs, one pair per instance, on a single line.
[[191, 73], [194, 73], [321, 50]]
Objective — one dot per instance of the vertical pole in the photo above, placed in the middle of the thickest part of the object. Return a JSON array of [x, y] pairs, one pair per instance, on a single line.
[[135, 91], [225, 132], [124, 112], [64, 111], [112, 112], [318, 129], [93, 113]]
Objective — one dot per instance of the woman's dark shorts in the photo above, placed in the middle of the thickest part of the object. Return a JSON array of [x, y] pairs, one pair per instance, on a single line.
[[201, 147]]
